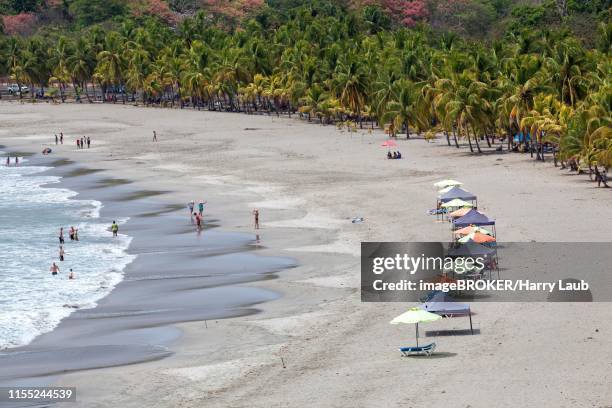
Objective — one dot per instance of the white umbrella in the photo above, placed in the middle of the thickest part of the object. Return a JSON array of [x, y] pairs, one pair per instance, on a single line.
[[447, 183]]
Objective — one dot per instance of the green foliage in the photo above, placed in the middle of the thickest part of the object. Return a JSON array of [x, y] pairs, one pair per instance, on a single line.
[[87, 12]]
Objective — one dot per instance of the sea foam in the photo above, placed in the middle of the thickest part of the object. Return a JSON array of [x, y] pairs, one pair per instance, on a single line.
[[32, 301]]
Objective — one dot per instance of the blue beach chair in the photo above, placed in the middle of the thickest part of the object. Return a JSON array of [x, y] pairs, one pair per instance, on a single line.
[[418, 350]]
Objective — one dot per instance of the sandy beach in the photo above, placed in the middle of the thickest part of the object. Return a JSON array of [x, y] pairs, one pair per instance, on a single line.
[[314, 343]]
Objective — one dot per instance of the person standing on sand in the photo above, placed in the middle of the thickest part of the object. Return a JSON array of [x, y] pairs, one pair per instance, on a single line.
[[61, 235], [256, 218], [88, 141], [78, 143], [61, 138], [114, 228], [56, 139], [82, 142], [201, 207], [190, 206], [154, 136], [54, 269], [61, 253], [16, 161]]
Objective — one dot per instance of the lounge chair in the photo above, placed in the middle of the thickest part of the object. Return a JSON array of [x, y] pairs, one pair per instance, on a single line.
[[418, 350]]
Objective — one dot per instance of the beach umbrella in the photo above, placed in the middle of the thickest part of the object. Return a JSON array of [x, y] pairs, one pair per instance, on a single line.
[[389, 144], [447, 183], [459, 213], [470, 229], [415, 316], [457, 202], [476, 237]]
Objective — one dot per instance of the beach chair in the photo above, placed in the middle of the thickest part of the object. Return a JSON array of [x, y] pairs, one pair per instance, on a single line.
[[418, 350]]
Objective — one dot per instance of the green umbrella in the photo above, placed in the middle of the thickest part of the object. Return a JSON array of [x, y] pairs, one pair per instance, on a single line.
[[415, 316]]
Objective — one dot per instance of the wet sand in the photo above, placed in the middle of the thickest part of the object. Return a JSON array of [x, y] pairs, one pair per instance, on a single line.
[[317, 344], [179, 275]]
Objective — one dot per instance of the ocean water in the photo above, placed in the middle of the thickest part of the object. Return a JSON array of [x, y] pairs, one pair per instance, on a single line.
[[32, 301]]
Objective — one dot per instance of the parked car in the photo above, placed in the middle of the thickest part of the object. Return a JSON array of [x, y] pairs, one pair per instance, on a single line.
[[14, 89]]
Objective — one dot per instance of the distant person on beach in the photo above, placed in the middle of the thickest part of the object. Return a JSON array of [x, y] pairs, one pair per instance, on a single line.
[[256, 218], [8, 161], [82, 142], [201, 207], [56, 139], [198, 219], [54, 269], [78, 143], [61, 253], [154, 136], [16, 161], [61, 138], [88, 141], [190, 206], [71, 274], [61, 235], [114, 228]]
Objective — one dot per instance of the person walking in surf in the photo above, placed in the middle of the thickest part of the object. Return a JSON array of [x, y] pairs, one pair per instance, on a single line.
[[54, 269], [154, 136], [201, 207], [114, 228], [61, 235], [61, 253]]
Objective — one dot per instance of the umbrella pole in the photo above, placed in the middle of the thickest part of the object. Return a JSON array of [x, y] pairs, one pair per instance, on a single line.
[[417, 334], [471, 328]]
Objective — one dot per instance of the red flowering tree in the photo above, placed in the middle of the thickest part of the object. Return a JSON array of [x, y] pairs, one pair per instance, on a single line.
[[157, 8], [406, 12], [22, 23]]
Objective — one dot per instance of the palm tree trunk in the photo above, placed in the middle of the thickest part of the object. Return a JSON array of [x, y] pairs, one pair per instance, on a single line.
[[407, 130], [476, 140], [455, 138], [467, 133], [447, 138]]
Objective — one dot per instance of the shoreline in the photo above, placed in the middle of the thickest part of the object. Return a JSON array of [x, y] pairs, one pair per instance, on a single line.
[[318, 343], [116, 318]]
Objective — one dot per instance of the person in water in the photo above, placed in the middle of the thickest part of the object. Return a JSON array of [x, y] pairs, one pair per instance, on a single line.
[[71, 274], [198, 219], [56, 139], [54, 269], [201, 207], [76, 234], [71, 233], [61, 138], [154, 136], [114, 228], [88, 142], [61, 253], [61, 235]]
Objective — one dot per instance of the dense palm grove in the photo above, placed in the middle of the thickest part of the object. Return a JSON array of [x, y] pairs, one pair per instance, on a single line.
[[540, 91]]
